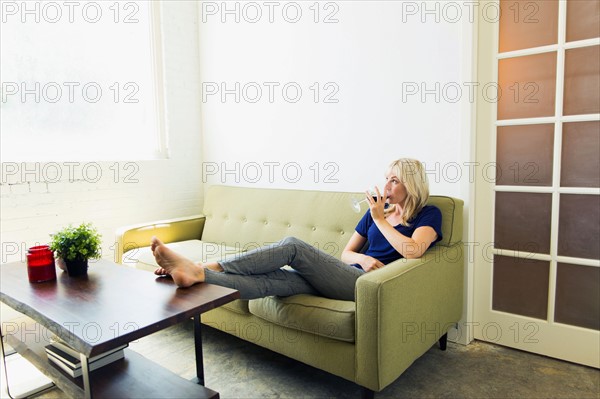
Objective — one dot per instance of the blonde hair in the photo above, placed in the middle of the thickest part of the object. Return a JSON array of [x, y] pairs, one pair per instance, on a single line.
[[412, 174]]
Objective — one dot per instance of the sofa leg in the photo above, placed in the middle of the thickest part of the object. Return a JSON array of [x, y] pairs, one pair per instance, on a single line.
[[443, 341], [367, 393]]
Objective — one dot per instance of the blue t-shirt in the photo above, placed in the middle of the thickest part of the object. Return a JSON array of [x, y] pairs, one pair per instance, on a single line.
[[381, 249]]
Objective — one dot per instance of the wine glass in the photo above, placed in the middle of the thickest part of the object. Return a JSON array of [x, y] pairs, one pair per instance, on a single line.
[[356, 203]]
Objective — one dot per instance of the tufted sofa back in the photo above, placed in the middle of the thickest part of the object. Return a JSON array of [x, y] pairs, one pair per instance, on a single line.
[[251, 217], [246, 218]]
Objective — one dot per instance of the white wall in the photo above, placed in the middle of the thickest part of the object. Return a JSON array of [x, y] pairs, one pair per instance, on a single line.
[[125, 192], [374, 54], [366, 58]]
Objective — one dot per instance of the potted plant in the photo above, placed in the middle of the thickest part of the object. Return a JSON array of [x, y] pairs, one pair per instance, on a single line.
[[75, 245]]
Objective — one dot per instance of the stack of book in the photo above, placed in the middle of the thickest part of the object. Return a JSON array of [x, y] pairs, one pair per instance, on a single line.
[[68, 358]]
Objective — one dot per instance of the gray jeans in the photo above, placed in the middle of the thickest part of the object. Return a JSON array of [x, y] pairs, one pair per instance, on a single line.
[[259, 273]]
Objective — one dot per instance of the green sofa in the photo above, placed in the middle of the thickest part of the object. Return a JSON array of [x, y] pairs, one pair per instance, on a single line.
[[400, 312]]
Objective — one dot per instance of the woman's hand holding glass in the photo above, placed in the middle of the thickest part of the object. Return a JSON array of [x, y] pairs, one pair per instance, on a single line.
[[372, 196], [376, 204]]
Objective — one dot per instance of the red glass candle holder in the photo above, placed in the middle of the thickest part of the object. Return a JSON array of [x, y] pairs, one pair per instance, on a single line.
[[40, 264]]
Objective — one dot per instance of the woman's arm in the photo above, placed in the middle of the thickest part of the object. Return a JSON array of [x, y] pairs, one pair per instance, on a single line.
[[409, 247], [351, 254]]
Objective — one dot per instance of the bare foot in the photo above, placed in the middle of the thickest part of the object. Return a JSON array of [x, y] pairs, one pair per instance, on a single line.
[[184, 272]]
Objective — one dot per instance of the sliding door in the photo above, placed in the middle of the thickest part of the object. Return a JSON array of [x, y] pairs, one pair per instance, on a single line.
[[537, 268]]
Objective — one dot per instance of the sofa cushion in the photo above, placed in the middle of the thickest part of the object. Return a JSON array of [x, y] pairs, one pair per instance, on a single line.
[[238, 306], [452, 213], [321, 316]]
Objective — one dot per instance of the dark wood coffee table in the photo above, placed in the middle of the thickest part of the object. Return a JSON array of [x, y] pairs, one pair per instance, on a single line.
[[109, 307]]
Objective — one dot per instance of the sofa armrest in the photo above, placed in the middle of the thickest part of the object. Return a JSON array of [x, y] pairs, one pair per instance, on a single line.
[[402, 310], [169, 230]]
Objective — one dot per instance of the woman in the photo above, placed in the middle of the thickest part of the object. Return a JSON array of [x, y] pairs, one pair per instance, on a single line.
[[405, 228]]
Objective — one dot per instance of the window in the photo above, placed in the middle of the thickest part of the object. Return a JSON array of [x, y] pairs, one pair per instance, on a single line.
[[80, 80]]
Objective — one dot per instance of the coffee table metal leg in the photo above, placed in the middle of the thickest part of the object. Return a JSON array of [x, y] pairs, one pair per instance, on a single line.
[[85, 371], [198, 346]]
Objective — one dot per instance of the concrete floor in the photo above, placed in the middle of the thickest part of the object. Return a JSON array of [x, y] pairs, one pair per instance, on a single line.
[[238, 369]]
